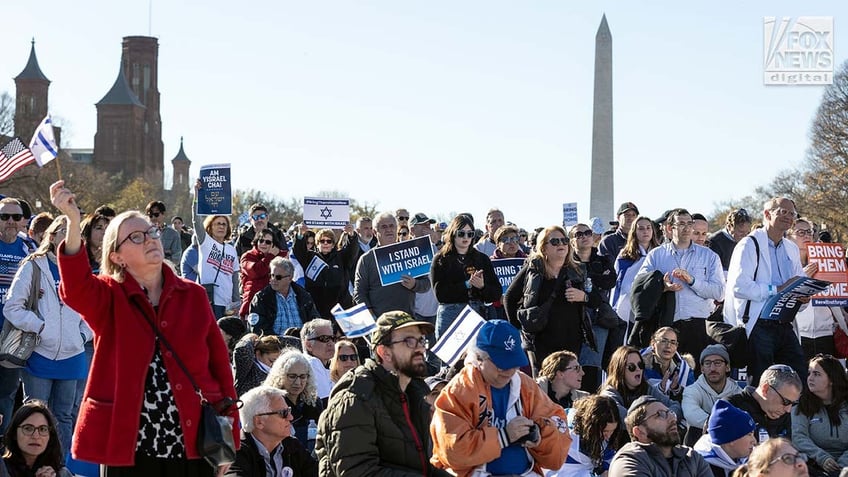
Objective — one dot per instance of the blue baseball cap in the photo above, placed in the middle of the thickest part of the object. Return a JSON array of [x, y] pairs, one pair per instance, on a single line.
[[502, 342]]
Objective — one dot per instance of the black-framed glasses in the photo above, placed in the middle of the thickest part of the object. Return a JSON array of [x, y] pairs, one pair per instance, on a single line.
[[632, 366], [154, 214], [465, 234], [556, 241], [279, 277], [29, 430], [138, 237], [266, 242], [786, 402], [325, 241], [15, 217], [580, 235], [790, 459], [802, 232], [325, 339], [262, 216], [284, 413], [348, 357], [412, 342], [512, 239], [294, 377], [716, 362]]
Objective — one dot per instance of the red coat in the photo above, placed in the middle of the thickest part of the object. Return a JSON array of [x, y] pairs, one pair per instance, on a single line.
[[255, 273], [107, 426]]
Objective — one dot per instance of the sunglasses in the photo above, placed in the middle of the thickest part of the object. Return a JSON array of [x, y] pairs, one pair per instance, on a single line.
[[556, 241], [279, 277], [266, 242], [400, 217], [15, 217], [632, 367], [403, 234], [325, 241], [783, 400], [138, 237], [348, 357], [325, 339], [284, 413], [154, 214], [585, 233], [512, 239], [259, 216], [465, 233]]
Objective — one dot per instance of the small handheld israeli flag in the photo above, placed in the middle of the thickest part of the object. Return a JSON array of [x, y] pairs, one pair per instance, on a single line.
[[316, 265], [43, 144], [458, 336], [355, 322]]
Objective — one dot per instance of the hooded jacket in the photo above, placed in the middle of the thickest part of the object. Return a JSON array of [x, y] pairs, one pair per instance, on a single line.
[[646, 460], [818, 438], [698, 400]]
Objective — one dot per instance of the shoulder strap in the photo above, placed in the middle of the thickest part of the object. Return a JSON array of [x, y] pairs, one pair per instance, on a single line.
[[34, 287], [756, 269]]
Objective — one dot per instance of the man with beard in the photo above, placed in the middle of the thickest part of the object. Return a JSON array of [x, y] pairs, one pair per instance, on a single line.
[[376, 421], [655, 450], [492, 419], [711, 385]]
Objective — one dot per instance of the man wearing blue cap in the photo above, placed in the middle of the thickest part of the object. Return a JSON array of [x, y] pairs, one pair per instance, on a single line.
[[492, 419], [730, 439]]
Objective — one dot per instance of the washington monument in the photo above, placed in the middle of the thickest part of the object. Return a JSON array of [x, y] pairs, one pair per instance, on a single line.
[[601, 195]]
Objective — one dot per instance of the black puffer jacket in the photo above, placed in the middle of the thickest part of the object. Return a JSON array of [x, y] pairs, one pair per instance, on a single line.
[[331, 285], [264, 304], [372, 428]]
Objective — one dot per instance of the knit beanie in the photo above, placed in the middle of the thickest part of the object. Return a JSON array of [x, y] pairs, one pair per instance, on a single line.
[[728, 423]]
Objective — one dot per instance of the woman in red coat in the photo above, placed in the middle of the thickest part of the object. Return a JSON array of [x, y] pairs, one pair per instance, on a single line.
[[255, 269], [139, 415]]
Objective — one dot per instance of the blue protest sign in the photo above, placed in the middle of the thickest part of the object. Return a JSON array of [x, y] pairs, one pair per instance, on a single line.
[[412, 257], [506, 269], [215, 196]]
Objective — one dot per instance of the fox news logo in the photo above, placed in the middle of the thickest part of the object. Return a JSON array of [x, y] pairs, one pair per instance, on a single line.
[[798, 50]]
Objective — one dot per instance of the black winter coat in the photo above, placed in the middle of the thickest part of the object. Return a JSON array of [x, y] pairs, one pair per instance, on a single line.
[[331, 285], [249, 462], [449, 274], [264, 304]]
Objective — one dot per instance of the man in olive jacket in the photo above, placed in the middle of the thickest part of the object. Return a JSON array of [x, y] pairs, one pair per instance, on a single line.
[[376, 422]]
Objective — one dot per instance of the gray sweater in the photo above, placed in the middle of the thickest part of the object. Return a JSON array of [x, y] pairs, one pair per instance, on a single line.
[[817, 438], [699, 397], [636, 459]]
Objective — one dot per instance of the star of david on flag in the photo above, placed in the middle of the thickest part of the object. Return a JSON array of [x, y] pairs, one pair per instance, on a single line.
[[355, 322], [458, 336]]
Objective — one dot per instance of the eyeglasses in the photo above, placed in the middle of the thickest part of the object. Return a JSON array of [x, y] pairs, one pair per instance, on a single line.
[[782, 211], [259, 216], [138, 237], [683, 225], [403, 234], [325, 241], [412, 342], [279, 277], [717, 363], [284, 413], [576, 367], [465, 233], [15, 217], [663, 414], [295, 377], [348, 357], [632, 366], [790, 459], [325, 339], [524, 236], [803, 232], [666, 342], [29, 430], [786, 402], [585, 233], [512, 239], [556, 241], [154, 214], [266, 242], [400, 217]]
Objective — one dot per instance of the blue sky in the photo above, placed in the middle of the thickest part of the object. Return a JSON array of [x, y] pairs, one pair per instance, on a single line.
[[443, 106]]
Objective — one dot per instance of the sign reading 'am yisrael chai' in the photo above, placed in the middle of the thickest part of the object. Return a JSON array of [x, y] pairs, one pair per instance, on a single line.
[[215, 196], [831, 260], [412, 257]]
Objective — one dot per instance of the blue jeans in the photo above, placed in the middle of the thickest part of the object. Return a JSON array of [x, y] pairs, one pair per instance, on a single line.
[[589, 357], [772, 342], [448, 312], [59, 394], [9, 381]]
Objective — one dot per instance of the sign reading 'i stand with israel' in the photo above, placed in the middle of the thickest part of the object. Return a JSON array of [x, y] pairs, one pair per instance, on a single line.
[[215, 196], [323, 212], [412, 257]]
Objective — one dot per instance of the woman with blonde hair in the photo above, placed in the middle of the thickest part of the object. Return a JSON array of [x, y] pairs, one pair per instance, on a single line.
[[291, 371], [344, 359], [59, 359], [775, 457], [547, 297]]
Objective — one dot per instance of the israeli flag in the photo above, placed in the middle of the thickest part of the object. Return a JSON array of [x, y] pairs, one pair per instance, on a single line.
[[355, 322], [43, 144], [456, 339], [316, 266]]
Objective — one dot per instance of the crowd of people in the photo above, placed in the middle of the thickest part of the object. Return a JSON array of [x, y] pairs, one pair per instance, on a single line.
[[598, 358]]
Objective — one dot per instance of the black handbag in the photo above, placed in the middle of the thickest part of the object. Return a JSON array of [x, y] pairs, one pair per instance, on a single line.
[[215, 431], [606, 317]]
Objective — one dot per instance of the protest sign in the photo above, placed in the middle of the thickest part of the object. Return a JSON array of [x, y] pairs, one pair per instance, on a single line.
[[355, 322], [569, 214], [506, 269], [458, 336], [215, 196], [412, 257], [785, 305], [831, 260], [323, 212]]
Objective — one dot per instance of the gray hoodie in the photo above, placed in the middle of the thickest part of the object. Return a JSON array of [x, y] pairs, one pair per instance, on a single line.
[[820, 440], [699, 397]]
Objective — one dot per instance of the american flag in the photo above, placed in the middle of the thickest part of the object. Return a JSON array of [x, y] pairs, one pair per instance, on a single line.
[[13, 156]]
